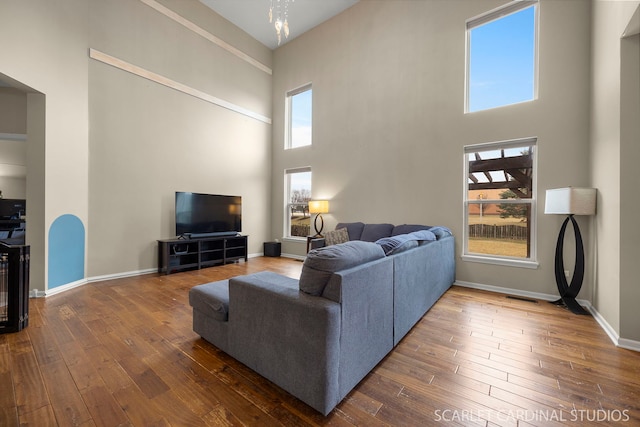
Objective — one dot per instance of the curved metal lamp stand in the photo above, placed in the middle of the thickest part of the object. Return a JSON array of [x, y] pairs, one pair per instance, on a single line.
[[569, 292], [315, 225]]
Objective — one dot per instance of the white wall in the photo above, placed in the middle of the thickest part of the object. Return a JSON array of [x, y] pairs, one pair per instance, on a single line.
[[389, 126]]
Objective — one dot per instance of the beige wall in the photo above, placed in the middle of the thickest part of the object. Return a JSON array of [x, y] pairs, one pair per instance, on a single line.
[[110, 147], [13, 110], [13, 150], [629, 200], [148, 141], [389, 126], [45, 49], [611, 173]]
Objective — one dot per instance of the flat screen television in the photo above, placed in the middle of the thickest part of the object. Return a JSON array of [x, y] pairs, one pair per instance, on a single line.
[[200, 215], [12, 208]]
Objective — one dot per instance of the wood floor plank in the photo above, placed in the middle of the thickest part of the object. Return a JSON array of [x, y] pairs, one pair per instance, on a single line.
[[66, 402], [104, 409], [122, 352]]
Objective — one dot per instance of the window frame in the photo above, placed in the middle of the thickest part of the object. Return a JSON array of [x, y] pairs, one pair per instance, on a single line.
[[494, 15], [287, 204], [288, 134], [532, 260]]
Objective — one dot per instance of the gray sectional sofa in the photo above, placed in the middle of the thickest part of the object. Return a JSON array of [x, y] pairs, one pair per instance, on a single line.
[[317, 337]]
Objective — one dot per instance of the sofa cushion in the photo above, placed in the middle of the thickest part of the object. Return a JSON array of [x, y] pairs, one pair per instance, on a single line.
[[440, 231], [336, 236], [402, 242], [373, 232], [395, 244], [408, 228], [423, 236], [322, 263], [353, 228], [212, 299]]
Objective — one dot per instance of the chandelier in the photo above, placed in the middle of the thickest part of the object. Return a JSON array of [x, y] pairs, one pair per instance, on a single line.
[[278, 14]]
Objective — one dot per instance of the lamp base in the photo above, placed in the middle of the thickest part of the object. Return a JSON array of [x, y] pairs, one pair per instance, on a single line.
[[568, 292], [315, 225], [571, 304]]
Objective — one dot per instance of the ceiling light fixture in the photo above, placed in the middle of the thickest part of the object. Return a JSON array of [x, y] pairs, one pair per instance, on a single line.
[[278, 14]]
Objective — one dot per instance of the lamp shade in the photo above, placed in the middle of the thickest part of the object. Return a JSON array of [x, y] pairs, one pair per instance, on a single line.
[[571, 201], [318, 206]]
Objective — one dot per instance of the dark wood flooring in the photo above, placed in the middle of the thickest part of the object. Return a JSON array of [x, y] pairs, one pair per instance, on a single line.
[[122, 353]]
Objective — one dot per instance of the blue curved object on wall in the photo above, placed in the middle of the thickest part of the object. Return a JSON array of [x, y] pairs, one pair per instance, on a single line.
[[66, 250]]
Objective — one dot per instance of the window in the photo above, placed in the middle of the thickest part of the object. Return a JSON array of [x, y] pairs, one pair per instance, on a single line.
[[501, 56], [299, 119], [500, 203], [298, 194]]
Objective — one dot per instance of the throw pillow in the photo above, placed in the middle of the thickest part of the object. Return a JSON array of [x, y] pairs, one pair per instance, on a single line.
[[353, 228], [322, 263], [336, 236]]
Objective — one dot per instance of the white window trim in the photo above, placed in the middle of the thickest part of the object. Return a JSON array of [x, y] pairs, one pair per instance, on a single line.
[[286, 228], [287, 114], [492, 15], [530, 262]]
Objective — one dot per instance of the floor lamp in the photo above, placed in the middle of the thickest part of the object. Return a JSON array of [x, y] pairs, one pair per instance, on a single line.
[[570, 201], [318, 207]]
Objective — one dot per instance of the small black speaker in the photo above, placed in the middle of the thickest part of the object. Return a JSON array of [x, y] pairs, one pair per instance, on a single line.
[[272, 249]]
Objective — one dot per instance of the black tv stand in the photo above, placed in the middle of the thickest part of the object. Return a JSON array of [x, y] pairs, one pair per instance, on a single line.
[[193, 253]]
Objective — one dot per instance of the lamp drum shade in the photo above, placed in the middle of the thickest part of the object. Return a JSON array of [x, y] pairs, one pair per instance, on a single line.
[[570, 201], [318, 206]]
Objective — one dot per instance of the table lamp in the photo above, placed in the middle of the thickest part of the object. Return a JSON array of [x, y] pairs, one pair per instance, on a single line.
[[318, 207]]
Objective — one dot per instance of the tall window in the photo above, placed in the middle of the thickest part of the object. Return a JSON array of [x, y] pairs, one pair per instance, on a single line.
[[299, 117], [499, 202], [298, 193], [501, 56]]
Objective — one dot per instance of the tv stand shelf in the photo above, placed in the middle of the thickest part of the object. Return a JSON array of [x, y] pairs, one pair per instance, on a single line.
[[175, 255]]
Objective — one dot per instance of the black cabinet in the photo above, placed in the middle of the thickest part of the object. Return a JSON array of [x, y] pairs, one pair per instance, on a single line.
[[14, 287], [176, 255]]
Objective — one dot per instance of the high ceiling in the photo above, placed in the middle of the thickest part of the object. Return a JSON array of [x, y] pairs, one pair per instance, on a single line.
[[253, 16]]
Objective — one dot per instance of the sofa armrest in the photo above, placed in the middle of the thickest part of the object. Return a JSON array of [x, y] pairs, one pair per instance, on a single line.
[[287, 336], [365, 293]]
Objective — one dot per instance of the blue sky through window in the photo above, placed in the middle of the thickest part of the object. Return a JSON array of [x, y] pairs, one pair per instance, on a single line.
[[501, 61], [301, 119]]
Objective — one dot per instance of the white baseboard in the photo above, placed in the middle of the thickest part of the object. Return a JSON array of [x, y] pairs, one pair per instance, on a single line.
[[36, 293], [63, 288], [608, 329], [293, 256], [508, 291], [629, 344], [121, 275]]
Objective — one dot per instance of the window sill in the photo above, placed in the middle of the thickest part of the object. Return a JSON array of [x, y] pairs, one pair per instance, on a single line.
[[500, 261]]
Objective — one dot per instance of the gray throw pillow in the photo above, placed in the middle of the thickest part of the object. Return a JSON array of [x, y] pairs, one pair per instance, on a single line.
[[336, 236], [322, 263]]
